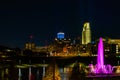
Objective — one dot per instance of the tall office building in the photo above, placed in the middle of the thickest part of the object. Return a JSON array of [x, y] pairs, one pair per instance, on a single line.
[[60, 35], [86, 33]]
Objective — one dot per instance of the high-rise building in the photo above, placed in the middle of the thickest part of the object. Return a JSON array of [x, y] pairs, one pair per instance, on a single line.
[[30, 46], [86, 33], [60, 35]]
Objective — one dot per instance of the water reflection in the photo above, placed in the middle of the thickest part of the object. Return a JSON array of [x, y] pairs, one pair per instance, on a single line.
[[7, 72], [27, 72], [30, 73]]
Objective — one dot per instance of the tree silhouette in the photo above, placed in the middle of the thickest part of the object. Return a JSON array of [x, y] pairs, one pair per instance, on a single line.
[[78, 73]]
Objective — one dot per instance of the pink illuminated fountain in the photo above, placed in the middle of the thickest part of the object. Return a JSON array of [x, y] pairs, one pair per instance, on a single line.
[[100, 68], [100, 58]]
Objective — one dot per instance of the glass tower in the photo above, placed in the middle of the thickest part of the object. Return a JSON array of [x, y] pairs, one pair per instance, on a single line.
[[86, 33]]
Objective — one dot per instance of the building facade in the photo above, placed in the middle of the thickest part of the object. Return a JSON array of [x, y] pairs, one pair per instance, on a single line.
[[60, 35], [86, 33]]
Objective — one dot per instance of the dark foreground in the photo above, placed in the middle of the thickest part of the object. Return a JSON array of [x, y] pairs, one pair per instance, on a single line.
[[9, 71]]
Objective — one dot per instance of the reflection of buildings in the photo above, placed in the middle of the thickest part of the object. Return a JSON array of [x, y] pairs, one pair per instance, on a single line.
[[86, 33], [52, 73]]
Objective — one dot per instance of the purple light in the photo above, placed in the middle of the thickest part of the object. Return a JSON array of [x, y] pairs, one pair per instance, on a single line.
[[100, 67], [100, 56]]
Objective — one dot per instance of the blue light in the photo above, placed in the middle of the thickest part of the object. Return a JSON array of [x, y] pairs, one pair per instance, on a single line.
[[60, 35]]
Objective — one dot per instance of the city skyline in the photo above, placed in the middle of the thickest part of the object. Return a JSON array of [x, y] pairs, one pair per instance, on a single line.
[[43, 19]]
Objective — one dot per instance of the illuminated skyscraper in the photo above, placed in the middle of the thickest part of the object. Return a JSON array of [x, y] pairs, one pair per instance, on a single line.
[[60, 35], [86, 33]]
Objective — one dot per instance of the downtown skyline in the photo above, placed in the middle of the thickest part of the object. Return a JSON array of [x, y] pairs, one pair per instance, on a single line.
[[44, 19]]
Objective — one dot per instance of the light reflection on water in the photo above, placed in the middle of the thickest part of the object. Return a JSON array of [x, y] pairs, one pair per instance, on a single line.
[[10, 72], [25, 73], [13, 73]]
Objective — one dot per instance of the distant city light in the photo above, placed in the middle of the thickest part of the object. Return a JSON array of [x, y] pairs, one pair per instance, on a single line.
[[60, 35]]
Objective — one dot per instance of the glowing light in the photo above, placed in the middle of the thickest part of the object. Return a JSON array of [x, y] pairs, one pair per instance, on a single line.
[[100, 67], [86, 33], [100, 59], [60, 35]]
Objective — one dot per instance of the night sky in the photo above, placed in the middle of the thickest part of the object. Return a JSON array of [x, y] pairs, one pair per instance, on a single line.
[[44, 18]]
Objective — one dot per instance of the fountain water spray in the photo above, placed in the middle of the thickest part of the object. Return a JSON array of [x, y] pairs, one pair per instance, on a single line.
[[100, 68], [100, 58]]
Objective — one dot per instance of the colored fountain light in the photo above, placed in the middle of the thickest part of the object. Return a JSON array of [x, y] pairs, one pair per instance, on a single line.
[[100, 58], [100, 68]]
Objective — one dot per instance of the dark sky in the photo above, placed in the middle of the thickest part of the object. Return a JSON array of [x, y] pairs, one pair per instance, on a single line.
[[44, 18]]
